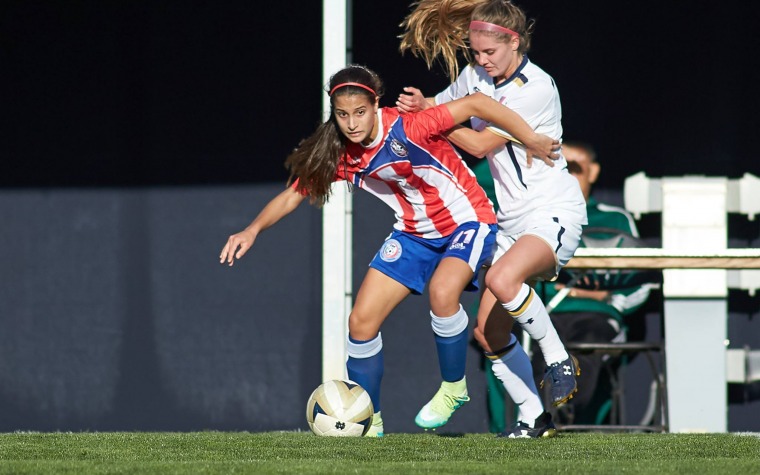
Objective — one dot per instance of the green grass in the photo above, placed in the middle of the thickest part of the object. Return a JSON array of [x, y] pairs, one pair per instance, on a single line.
[[302, 452]]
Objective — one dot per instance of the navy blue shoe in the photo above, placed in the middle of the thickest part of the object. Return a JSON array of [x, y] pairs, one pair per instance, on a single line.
[[562, 377]]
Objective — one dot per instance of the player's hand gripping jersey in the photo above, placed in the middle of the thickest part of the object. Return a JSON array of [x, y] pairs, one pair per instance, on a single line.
[[417, 172]]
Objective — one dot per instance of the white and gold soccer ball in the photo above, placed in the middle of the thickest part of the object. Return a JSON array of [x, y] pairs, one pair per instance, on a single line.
[[339, 409]]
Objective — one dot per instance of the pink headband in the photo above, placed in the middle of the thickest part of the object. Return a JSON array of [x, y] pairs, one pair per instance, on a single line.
[[357, 84], [485, 26]]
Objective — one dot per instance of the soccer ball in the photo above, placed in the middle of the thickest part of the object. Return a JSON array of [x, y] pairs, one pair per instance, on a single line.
[[339, 409]]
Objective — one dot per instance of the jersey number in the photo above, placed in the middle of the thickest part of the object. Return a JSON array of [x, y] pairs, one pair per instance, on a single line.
[[464, 237]]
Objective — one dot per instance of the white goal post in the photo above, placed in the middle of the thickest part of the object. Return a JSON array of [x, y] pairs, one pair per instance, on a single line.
[[337, 243]]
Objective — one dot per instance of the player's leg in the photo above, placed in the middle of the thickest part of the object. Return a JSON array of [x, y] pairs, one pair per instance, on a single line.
[[448, 318], [450, 326], [376, 298], [402, 266], [511, 365], [461, 256], [530, 257]]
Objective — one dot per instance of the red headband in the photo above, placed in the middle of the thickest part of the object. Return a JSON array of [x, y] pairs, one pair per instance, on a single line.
[[485, 26], [357, 84]]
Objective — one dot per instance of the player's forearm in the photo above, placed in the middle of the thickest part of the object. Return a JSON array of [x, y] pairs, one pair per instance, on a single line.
[[279, 207], [599, 295], [470, 141]]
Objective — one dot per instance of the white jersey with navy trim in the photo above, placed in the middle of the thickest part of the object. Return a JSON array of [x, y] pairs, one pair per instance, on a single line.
[[523, 191]]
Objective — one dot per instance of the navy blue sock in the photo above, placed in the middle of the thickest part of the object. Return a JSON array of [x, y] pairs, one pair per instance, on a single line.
[[367, 372], [452, 355]]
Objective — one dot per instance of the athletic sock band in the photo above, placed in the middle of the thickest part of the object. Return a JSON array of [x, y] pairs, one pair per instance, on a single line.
[[449, 326], [364, 348], [499, 354], [521, 302]]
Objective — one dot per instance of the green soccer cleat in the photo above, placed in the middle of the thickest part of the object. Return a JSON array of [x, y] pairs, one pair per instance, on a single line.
[[437, 412], [376, 428]]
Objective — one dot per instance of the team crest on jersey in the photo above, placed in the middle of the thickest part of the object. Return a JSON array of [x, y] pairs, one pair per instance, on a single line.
[[391, 251], [354, 160], [398, 148]]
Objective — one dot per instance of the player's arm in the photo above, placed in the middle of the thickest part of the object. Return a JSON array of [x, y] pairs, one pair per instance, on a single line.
[[280, 206], [477, 144], [486, 108]]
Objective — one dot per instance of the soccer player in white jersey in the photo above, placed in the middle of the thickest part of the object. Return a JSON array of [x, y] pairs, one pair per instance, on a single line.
[[541, 207], [445, 229]]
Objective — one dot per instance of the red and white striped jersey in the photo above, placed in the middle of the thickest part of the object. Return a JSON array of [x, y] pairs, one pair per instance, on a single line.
[[413, 169]]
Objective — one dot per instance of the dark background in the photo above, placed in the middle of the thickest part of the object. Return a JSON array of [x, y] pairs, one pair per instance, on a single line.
[[135, 136], [185, 92]]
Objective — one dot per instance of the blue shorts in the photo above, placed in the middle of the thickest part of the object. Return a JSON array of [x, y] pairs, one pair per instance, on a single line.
[[411, 260]]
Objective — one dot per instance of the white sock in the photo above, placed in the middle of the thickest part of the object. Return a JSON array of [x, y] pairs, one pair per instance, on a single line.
[[514, 370], [531, 314], [449, 326]]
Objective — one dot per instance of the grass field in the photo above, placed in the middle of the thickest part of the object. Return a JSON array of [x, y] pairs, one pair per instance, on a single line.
[[302, 452]]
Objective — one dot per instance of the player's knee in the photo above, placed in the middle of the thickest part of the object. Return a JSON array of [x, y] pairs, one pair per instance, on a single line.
[[362, 326], [444, 301], [503, 285]]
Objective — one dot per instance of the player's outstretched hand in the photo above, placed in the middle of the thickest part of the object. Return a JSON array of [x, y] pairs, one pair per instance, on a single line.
[[236, 247], [412, 101], [545, 149]]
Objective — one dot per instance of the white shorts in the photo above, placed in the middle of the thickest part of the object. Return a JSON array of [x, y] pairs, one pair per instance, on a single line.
[[561, 235]]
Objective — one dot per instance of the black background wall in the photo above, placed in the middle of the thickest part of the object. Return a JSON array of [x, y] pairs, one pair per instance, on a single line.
[[135, 136], [177, 92]]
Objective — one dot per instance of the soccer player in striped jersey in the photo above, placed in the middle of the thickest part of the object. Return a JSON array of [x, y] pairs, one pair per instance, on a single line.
[[541, 209], [445, 229]]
